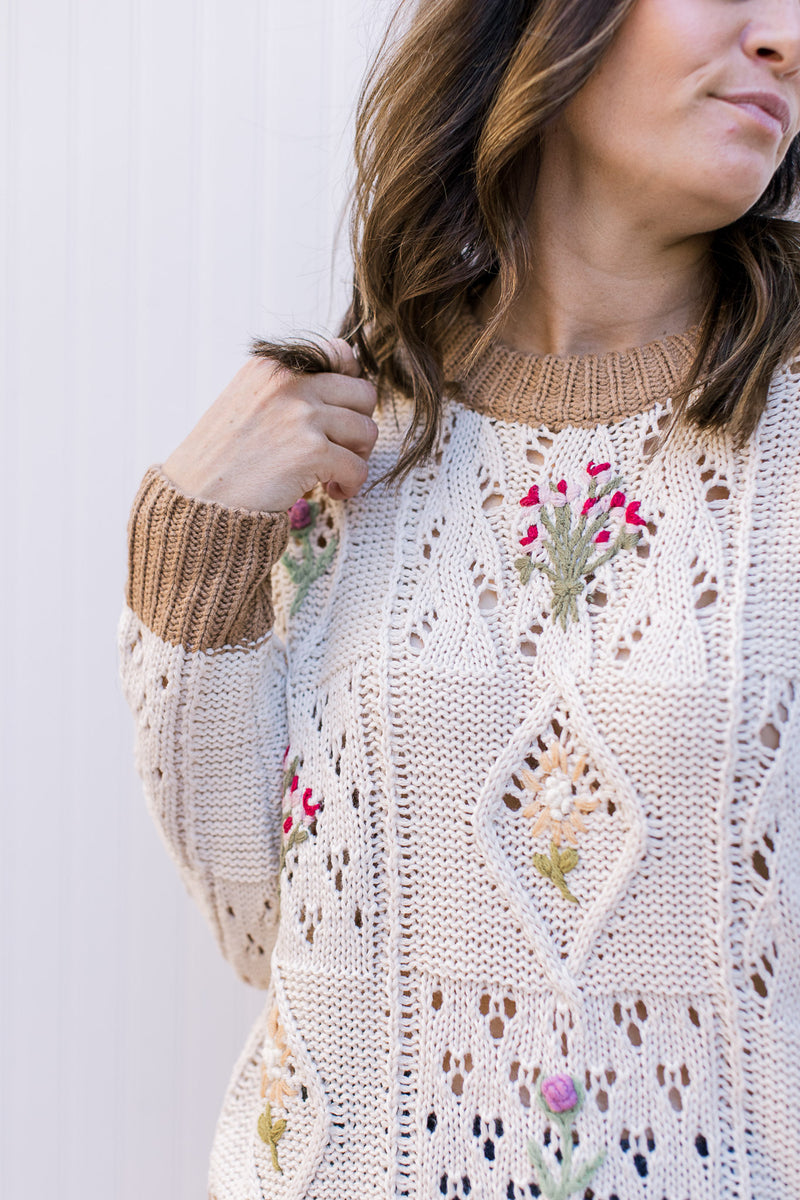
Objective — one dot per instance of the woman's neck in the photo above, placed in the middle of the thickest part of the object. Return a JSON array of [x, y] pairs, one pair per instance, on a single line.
[[602, 278]]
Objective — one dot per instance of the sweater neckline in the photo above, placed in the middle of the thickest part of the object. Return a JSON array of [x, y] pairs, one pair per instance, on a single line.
[[556, 391]]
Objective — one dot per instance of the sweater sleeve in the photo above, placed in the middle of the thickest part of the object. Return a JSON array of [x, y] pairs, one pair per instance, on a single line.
[[204, 676]]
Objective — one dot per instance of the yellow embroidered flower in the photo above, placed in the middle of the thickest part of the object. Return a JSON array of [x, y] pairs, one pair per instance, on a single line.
[[275, 1085], [558, 808]]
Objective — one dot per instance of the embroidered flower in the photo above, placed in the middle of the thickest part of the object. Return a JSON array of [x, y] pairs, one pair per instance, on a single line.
[[558, 1093], [573, 523], [306, 569], [275, 1086], [299, 814], [300, 515], [560, 1098], [558, 810]]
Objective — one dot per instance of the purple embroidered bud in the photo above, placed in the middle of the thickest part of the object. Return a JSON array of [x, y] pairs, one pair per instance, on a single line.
[[558, 1093], [300, 515]]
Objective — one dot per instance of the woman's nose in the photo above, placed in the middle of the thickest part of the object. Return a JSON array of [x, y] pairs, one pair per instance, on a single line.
[[773, 35]]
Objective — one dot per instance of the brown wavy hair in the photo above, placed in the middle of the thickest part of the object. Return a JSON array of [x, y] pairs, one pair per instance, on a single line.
[[448, 131]]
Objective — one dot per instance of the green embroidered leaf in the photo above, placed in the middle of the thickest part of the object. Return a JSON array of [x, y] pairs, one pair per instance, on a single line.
[[581, 1180], [543, 567], [293, 566], [568, 859], [264, 1127], [543, 865], [300, 834], [278, 1130], [543, 1177], [525, 567], [560, 883]]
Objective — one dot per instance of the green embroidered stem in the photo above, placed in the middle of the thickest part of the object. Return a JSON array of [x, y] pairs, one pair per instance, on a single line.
[[271, 1133], [297, 836], [557, 866], [308, 568], [569, 1184]]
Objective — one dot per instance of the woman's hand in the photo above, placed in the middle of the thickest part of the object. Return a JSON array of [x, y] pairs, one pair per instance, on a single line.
[[271, 436]]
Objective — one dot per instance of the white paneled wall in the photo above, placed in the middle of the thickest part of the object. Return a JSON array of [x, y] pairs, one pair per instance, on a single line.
[[172, 175]]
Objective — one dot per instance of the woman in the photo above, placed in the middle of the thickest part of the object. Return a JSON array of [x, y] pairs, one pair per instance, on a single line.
[[507, 772]]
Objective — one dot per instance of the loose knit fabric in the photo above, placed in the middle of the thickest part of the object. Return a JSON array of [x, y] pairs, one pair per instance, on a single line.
[[503, 811]]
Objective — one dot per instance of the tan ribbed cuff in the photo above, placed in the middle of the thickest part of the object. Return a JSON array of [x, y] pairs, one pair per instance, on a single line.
[[198, 572]]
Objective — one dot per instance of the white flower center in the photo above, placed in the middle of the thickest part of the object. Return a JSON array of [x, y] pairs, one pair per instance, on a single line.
[[557, 795], [271, 1056]]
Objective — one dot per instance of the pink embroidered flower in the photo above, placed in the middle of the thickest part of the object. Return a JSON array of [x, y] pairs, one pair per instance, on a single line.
[[559, 1093], [572, 518], [300, 514], [564, 492], [299, 813], [310, 810], [632, 514]]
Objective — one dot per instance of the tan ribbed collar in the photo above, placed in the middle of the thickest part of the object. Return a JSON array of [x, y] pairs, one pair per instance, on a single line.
[[578, 389]]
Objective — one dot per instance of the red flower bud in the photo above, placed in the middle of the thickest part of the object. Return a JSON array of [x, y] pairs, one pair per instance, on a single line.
[[595, 468], [588, 503], [287, 824], [308, 809], [295, 782], [562, 486], [603, 536], [631, 514], [532, 534], [617, 500], [531, 498]]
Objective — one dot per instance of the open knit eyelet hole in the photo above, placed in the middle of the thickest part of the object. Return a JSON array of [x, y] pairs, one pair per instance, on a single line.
[[493, 498], [640, 1147], [457, 1068]]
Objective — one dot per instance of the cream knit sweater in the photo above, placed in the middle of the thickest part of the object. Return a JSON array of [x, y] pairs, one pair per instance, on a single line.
[[503, 811]]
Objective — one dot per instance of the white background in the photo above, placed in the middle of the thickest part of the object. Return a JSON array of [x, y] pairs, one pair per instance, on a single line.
[[172, 175]]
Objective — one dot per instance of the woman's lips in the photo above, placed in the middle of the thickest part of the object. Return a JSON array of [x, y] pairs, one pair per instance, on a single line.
[[770, 111]]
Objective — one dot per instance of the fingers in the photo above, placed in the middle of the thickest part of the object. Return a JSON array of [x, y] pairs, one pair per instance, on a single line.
[[343, 357], [353, 430], [346, 473], [357, 394]]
